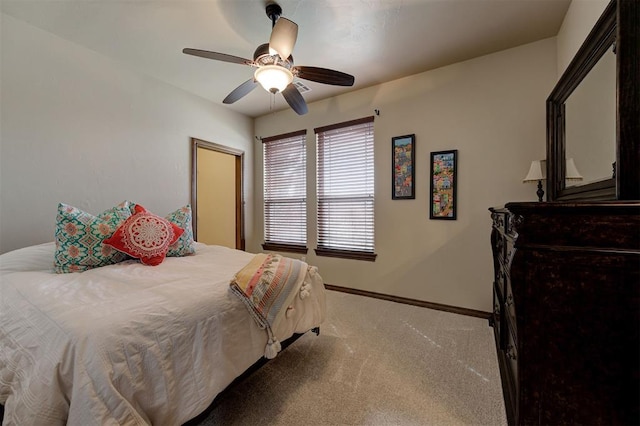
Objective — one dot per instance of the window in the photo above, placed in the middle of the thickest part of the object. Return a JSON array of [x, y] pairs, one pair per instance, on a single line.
[[285, 187], [346, 190]]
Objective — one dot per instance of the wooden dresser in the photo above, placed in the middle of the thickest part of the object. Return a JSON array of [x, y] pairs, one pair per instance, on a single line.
[[566, 311]]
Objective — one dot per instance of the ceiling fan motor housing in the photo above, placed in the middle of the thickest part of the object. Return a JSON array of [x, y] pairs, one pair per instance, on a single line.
[[260, 53], [273, 12], [262, 56]]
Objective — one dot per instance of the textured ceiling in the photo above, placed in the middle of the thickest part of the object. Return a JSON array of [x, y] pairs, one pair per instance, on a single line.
[[374, 40]]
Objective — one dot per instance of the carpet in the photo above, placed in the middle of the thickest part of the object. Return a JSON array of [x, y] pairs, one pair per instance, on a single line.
[[375, 362]]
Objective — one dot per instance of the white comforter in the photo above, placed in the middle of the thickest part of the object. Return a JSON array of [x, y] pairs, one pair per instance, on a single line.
[[128, 343]]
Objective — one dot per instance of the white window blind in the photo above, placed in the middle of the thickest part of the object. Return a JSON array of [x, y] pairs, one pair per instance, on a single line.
[[345, 187], [285, 186]]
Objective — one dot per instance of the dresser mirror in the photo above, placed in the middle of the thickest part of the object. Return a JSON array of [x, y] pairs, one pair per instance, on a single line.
[[582, 116], [614, 39], [590, 125]]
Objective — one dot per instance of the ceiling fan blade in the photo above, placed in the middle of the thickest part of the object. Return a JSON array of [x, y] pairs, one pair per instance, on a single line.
[[240, 91], [283, 37], [323, 75], [294, 99], [217, 56]]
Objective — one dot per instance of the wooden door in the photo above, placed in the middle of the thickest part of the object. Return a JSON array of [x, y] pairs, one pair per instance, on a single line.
[[216, 194]]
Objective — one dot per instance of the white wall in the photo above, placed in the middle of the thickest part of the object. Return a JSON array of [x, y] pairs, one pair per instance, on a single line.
[[492, 110], [79, 128]]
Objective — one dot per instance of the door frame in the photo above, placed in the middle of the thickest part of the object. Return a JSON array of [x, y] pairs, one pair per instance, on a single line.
[[239, 161]]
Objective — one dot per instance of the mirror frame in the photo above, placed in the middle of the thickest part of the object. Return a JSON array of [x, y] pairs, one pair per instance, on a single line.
[[617, 28], [601, 38]]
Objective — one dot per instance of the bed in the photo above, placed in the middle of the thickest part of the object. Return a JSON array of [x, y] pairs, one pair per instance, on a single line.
[[128, 343]]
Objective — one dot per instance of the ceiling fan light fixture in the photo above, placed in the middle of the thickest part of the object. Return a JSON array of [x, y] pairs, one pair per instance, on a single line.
[[274, 78], [275, 69]]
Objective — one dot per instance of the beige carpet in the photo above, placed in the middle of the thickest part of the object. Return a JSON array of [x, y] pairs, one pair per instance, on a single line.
[[375, 363]]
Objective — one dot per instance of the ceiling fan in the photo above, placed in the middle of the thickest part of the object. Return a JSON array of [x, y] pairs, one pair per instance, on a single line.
[[275, 70]]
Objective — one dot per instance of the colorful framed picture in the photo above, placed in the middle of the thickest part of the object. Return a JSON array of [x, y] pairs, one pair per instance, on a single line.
[[403, 152], [442, 203]]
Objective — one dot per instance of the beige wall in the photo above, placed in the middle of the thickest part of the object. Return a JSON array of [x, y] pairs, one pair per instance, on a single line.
[[492, 109], [578, 22], [80, 128]]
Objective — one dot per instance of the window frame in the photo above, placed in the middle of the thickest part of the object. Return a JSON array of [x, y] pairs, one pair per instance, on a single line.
[[281, 245], [335, 252]]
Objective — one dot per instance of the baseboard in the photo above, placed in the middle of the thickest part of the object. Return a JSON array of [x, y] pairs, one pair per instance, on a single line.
[[414, 302]]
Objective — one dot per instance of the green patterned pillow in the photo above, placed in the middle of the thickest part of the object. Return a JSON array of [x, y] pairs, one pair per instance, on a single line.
[[79, 236], [184, 245]]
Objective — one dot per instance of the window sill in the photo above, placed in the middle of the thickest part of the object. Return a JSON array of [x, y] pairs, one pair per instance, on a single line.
[[347, 254], [289, 248]]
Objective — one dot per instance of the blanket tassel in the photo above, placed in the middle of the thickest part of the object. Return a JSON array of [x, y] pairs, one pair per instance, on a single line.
[[305, 290], [272, 349]]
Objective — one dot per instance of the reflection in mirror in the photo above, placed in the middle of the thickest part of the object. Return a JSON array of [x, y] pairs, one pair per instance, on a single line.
[[590, 123], [593, 107]]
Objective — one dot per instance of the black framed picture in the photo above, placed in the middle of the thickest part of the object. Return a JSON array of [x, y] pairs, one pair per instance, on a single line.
[[403, 152], [442, 203]]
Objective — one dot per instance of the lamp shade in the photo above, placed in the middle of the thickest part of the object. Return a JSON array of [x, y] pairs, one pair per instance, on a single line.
[[572, 171], [274, 78], [535, 172]]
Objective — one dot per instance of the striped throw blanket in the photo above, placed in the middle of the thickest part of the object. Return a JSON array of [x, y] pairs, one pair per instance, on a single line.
[[267, 286]]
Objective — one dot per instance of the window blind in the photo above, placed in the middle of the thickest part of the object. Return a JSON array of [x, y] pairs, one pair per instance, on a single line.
[[345, 187], [285, 186]]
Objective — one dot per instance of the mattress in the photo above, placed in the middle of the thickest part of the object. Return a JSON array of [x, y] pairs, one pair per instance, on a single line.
[[127, 343]]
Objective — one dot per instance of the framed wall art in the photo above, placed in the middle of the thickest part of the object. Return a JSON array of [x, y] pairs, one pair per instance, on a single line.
[[442, 203], [403, 152]]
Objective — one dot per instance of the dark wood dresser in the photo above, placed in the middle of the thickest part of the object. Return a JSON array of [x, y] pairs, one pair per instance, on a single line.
[[566, 311]]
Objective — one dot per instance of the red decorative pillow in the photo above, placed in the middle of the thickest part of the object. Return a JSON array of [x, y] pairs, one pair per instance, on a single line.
[[145, 236]]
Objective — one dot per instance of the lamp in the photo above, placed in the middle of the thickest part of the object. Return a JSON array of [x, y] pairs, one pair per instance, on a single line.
[[535, 174], [571, 172], [274, 78]]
